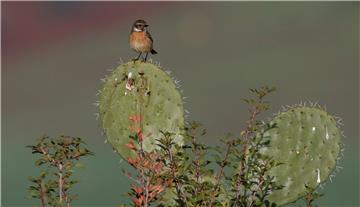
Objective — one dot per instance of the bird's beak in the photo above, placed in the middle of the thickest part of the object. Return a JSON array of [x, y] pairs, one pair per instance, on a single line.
[[146, 25]]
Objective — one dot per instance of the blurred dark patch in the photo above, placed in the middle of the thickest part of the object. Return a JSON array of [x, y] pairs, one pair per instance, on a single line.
[[31, 25]]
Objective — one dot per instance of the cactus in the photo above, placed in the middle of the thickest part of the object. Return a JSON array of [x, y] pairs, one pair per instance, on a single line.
[[307, 141], [143, 91]]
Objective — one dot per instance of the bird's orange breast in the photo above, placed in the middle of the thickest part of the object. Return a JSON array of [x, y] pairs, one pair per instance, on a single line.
[[140, 42]]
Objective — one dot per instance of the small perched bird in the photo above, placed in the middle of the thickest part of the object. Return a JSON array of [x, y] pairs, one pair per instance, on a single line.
[[140, 39]]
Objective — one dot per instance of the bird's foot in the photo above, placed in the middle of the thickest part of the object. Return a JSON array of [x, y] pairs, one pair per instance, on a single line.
[[135, 59]]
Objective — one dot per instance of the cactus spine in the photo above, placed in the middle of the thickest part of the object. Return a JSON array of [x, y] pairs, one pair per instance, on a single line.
[[307, 140], [142, 91]]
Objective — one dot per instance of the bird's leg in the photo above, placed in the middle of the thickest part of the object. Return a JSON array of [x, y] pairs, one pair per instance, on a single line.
[[146, 57], [138, 57]]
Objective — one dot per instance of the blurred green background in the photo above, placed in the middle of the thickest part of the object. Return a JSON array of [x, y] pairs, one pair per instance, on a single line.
[[54, 53]]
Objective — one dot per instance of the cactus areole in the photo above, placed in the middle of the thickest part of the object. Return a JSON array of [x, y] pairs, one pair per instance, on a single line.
[[144, 94], [307, 141]]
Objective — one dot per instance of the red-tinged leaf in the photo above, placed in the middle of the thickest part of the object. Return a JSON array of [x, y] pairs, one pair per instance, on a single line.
[[131, 145], [147, 164], [135, 118], [138, 201], [132, 162], [169, 182], [152, 195], [158, 167], [128, 174], [137, 189], [137, 130], [156, 188], [141, 136]]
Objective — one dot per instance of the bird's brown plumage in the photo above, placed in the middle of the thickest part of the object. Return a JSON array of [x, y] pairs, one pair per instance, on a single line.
[[141, 41]]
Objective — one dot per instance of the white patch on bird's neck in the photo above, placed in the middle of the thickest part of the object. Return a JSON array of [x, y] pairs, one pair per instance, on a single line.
[[137, 30]]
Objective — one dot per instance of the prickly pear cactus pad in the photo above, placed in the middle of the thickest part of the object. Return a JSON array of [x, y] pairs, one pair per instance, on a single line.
[[142, 90], [307, 141]]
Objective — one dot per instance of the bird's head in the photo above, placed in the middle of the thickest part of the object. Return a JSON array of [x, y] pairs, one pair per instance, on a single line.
[[139, 26]]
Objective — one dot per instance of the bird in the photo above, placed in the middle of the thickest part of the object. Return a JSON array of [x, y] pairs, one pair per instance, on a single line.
[[140, 39]]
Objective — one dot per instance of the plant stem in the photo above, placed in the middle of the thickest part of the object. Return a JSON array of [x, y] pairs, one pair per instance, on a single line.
[[261, 182], [221, 171], [43, 196], [310, 199], [146, 199], [197, 162], [63, 197], [60, 167], [246, 177], [254, 111], [178, 185]]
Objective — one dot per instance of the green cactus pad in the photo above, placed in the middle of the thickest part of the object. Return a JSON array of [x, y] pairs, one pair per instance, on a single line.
[[307, 141], [143, 89]]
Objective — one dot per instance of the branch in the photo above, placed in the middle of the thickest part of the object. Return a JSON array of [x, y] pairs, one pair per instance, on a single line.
[[43, 194], [224, 162], [178, 185]]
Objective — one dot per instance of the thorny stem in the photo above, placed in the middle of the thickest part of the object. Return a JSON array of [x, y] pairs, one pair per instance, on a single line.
[[310, 199], [197, 161], [66, 199], [229, 145], [144, 179], [178, 185], [261, 182], [254, 111], [42, 187], [59, 161], [60, 187], [146, 199], [223, 164], [247, 175], [62, 192], [140, 104], [43, 196]]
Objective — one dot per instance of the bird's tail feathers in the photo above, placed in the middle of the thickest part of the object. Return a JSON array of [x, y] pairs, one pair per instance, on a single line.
[[153, 52]]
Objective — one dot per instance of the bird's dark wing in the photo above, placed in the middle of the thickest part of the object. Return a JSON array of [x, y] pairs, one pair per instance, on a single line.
[[149, 36], [151, 39]]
